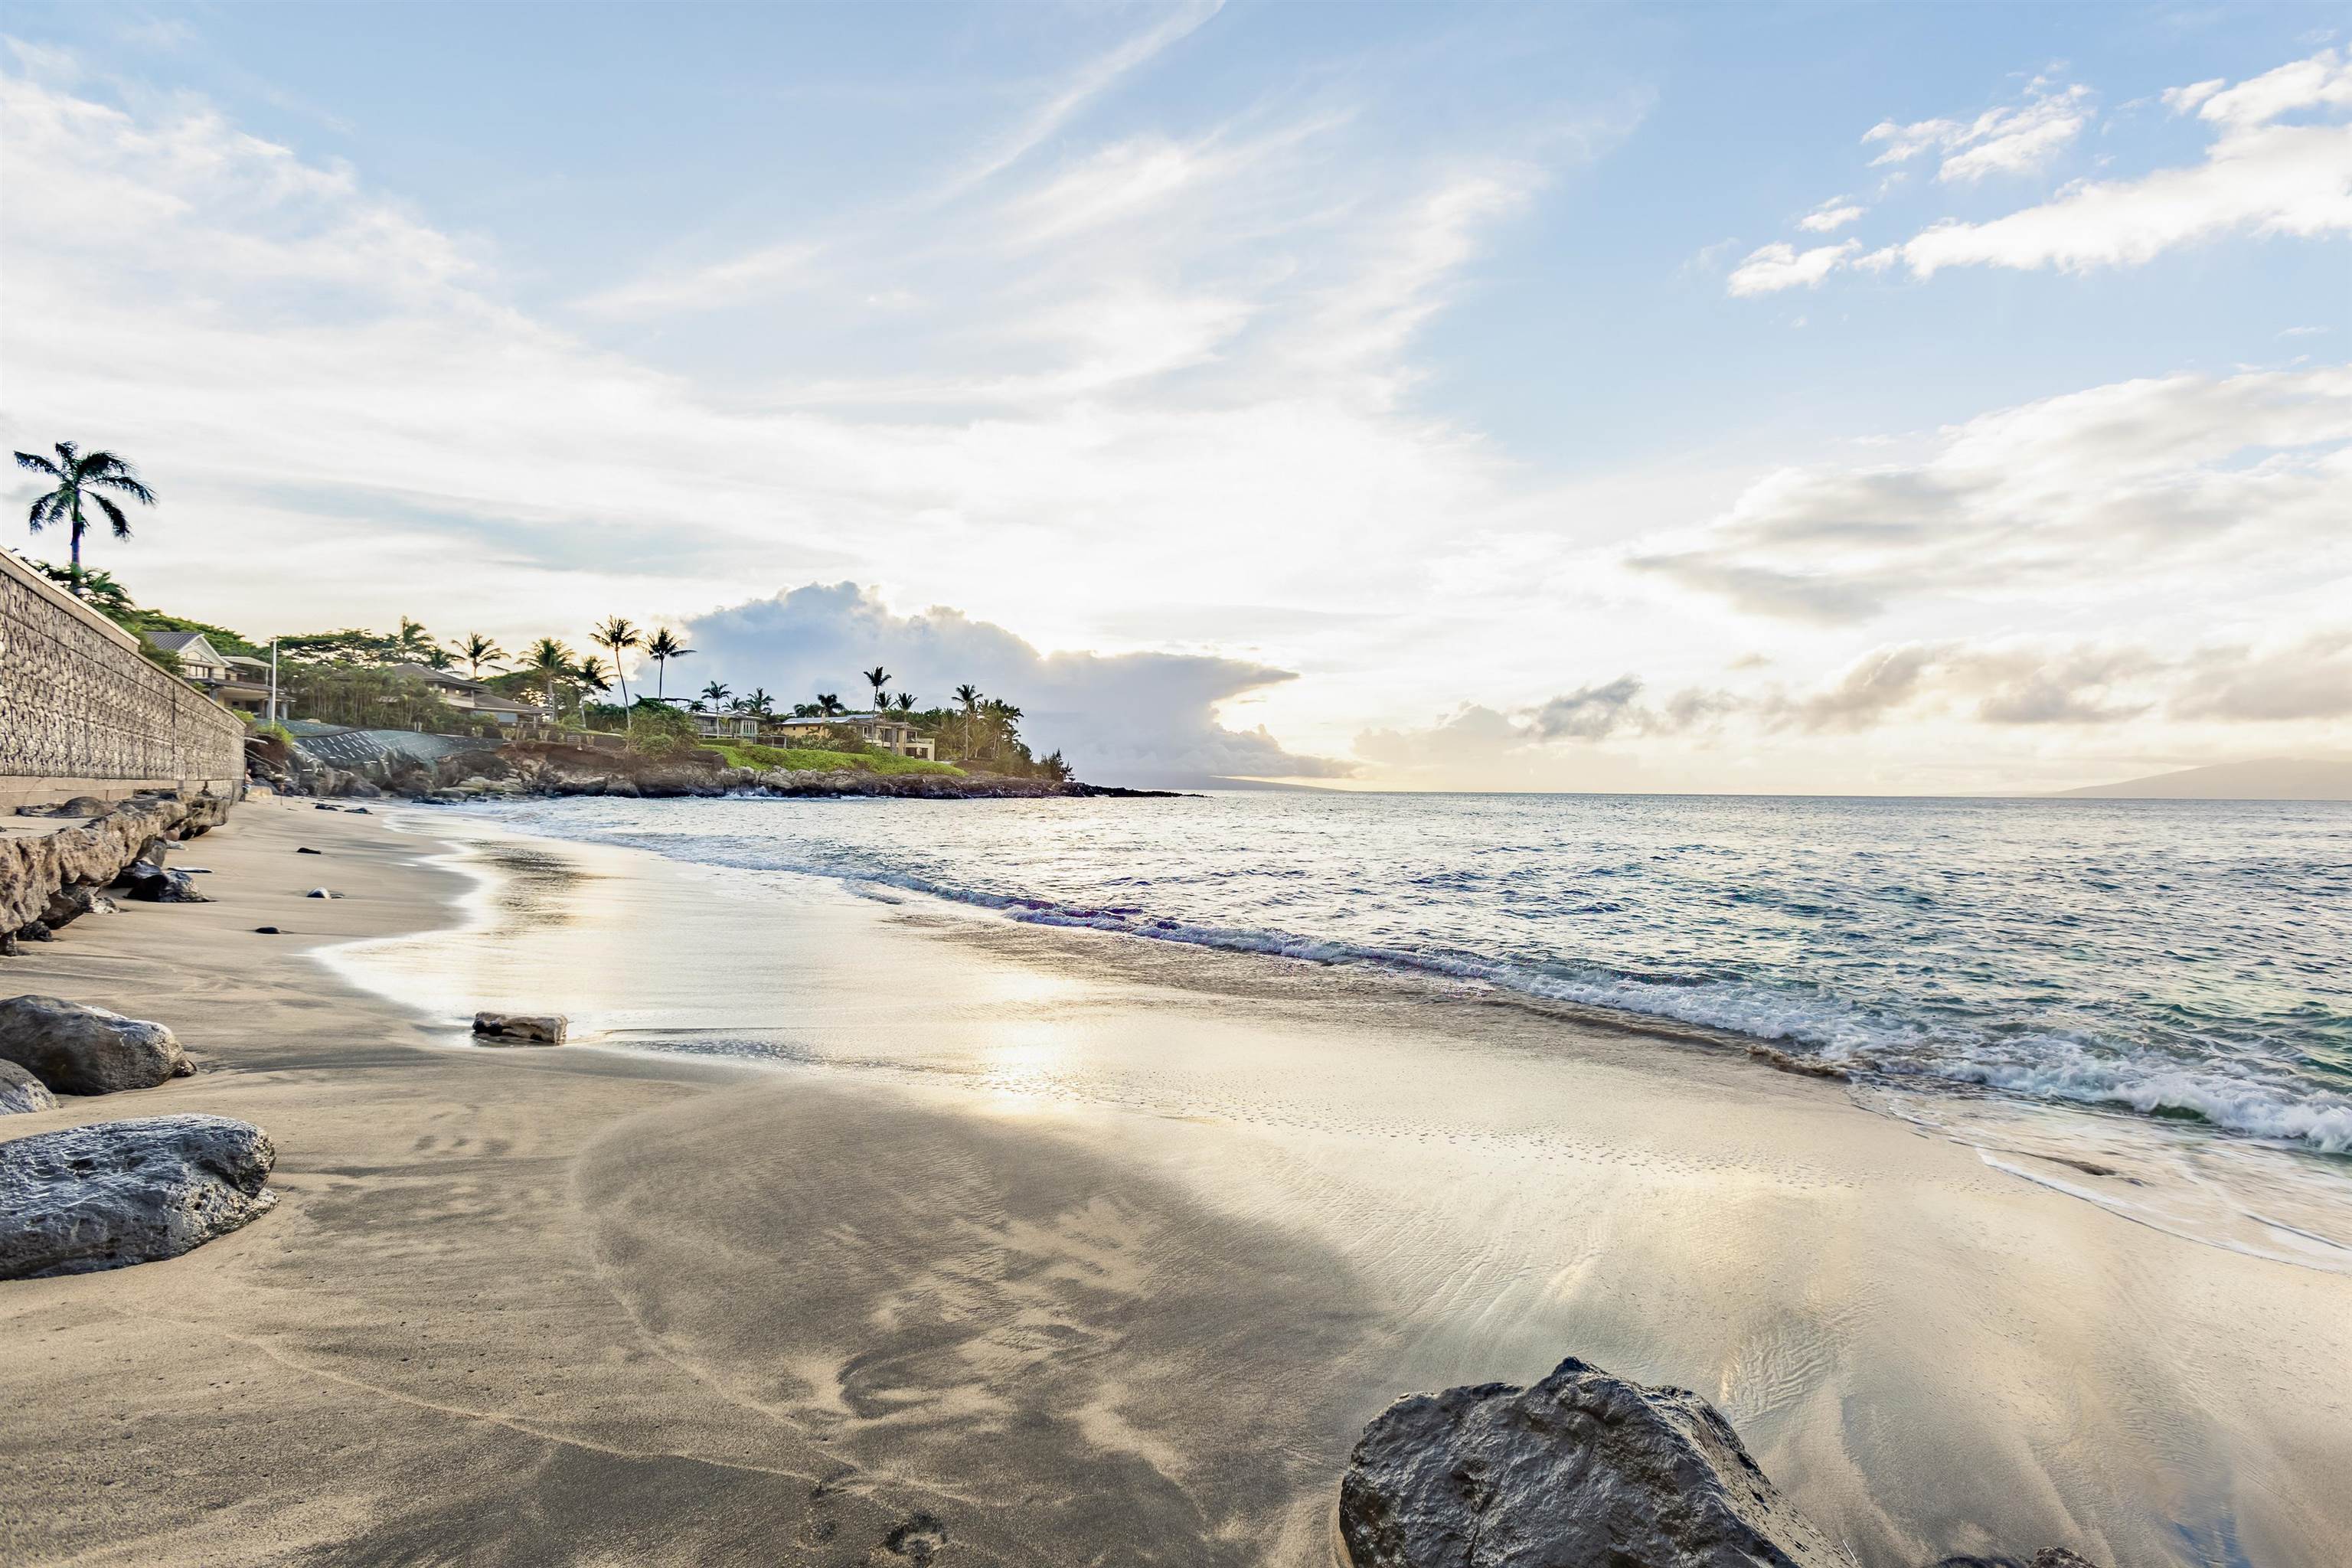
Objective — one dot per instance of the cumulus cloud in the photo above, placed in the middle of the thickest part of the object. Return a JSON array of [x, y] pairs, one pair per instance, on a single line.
[[1831, 215], [2098, 491], [2016, 139], [1769, 268], [1130, 718], [2263, 174]]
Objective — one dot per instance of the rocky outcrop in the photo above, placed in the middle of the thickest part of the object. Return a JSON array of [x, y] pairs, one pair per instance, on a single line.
[[120, 1193], [522, 1028], [35, 869], [21, 1091], [1580, 1468], [548, 768], [77, 1049]]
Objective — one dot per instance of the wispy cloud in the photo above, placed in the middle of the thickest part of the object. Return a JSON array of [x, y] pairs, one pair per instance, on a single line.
[[2013, 139], [1095, 78], [1769, 268]]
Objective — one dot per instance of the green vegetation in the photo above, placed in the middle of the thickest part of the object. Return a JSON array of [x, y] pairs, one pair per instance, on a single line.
[[801, 759], [367, 698], [658, 730]]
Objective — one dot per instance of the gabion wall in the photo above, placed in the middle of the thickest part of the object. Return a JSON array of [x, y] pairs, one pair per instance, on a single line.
[[77, 701]]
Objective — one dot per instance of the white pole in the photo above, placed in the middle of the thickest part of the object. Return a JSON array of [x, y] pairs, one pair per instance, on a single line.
[[273, 681]]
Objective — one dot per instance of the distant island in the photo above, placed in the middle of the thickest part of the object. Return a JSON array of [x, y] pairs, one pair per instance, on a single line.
[[2271, 778]]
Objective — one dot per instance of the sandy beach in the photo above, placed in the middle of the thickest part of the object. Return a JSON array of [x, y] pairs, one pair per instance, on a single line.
[[860, 1230]]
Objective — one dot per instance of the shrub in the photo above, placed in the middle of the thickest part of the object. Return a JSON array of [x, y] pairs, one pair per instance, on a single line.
[[658, 730]]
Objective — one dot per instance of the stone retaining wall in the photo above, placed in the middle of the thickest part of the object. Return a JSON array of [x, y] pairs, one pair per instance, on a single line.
[[83, 712]]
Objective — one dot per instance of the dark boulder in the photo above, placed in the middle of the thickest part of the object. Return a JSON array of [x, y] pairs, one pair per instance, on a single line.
[[21, 1091], [120, 1193], [147, 885], [76, 1050], [36, 931], [1580, 1470]]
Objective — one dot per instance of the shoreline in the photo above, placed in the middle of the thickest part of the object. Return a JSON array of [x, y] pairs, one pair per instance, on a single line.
[[1129, 1240]]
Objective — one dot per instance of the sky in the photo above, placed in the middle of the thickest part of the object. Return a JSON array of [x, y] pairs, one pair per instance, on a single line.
[[1841, 399]]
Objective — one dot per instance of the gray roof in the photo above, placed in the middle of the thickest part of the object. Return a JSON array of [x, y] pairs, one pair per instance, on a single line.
[[179, 642]]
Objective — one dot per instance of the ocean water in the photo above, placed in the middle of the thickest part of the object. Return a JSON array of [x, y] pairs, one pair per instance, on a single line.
[[2189, 961]]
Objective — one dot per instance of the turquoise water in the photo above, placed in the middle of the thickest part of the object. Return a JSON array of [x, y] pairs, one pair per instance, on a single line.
[[2189, 960]]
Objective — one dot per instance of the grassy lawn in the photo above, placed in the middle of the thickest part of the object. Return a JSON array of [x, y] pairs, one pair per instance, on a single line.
[[795, 759]]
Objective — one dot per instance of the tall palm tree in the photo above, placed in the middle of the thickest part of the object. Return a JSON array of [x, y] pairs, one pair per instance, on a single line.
[[82, 478], [906, 701], [758, 701], [828, 703], [661, 648], [477, 650], [715, 693], [877, 678], [549, 663], [619, 635], [969, 695]]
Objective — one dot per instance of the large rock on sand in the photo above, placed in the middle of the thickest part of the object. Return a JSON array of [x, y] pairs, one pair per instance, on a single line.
[[21, 1091], [1580, 1470], [76, 1050], [120, 1193]]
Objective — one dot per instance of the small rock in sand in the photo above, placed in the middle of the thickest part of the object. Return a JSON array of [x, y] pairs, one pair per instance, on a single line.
[[20, 1090], [119, 1193], [522, 1028], [306, 849], [76, 1050], [36, 931], [321, 893], [265, 930]]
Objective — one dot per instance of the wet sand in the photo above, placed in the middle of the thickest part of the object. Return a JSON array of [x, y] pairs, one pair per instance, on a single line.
[[868, 1232]]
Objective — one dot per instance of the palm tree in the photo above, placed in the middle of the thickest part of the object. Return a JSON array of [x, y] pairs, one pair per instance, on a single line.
[[758, 701], [414, 645], [906, 701], [98, 589], [661, 648], [619, 635], [969, 695], [828, 703], [82, 478], [477, 650], [593, 675], [877, 678], [714, 694], [1002, 716], [549, 663]]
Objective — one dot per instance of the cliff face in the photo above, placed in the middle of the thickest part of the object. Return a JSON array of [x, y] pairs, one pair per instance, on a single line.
[[35, 869]]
